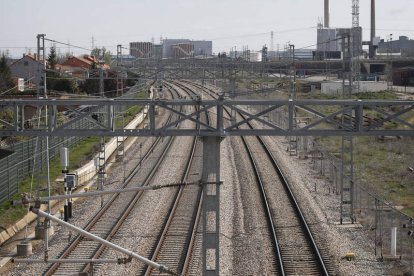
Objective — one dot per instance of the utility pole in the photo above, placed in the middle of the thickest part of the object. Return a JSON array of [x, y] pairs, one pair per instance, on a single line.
[[390, 71], [41, 51], [119, 55], [101, 155], [347, 168], [272, 42], [356, 45], [293, 140], [293, 88], [355, 13]]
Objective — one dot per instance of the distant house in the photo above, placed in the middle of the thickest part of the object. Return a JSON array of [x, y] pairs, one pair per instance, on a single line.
[[79, 67], [78, 62], [76, 72], [27, 68], [84, 62]]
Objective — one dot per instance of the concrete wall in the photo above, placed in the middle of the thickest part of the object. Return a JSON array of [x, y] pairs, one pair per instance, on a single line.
[[141, 49], [167, 49], [335, 88], [203, 48], [325, 35], [328, 40], [404, 46], [26, 68]]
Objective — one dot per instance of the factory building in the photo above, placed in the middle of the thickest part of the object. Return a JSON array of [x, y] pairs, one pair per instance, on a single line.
[[182, 48], [403, 47], [167, 46], [203, 48], [329, 42], [171, 48], [141, 49]]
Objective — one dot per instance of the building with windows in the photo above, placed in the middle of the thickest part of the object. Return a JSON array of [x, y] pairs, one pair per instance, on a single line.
[[329, 42], [403, 47], [171, 48], [27, 68]]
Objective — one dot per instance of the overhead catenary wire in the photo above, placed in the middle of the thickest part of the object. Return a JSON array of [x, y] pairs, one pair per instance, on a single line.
[[67, 44], [14, 87], [264, 33]]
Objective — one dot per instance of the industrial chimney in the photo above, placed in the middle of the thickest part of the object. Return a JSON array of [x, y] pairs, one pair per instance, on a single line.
[[372, 20], [326, 16], [372, 46]]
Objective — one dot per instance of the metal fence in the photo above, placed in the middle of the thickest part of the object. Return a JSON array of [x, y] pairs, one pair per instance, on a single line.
[[379, 218], [19, 165]]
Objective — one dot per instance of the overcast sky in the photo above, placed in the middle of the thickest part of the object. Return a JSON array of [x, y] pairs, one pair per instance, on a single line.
[[228, 23]]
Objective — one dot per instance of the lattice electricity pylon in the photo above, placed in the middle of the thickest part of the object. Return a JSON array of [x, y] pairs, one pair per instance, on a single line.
[[355, 13], [347, 166], [347, 181], [119, 117], [293, 141]]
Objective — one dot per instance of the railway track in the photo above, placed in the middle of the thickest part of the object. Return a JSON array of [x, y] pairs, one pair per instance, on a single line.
[[108, 220], [296, 251], [172, 245], [176, 242]]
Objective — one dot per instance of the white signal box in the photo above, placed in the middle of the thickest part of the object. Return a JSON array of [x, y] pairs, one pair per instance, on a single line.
[[20, 84]]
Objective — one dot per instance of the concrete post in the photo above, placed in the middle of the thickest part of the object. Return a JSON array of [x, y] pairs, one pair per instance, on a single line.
[[211, 205], [393, 241]]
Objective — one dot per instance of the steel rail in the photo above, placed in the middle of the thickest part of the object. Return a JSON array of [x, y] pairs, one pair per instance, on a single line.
[[292, 198], [133, 202], [186, 253], [103, 210]]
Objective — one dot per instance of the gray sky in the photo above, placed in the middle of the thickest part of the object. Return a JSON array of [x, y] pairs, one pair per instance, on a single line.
[[227, 22]]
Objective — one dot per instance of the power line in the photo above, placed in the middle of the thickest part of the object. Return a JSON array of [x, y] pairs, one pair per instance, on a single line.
[[67, 44], [266, 33]]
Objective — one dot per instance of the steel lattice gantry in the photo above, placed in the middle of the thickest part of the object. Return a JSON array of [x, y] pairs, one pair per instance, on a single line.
[[367, 118], [205, 69], [326, 118]]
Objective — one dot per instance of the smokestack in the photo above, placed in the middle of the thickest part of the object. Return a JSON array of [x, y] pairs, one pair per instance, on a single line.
[[372, 21], [326, 16]]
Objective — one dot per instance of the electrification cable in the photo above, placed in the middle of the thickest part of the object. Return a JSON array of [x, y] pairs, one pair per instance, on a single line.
[[68, 44]]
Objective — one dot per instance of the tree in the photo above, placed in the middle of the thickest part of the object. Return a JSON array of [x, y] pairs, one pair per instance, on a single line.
[[52, 58], [6, 80], [102, 54], [96, 52], [107, 56]]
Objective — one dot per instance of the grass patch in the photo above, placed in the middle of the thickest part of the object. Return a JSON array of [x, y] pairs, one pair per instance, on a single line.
[[383, 165], [79, 155]]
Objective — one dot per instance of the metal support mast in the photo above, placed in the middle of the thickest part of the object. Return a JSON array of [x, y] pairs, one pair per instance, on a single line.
[[41, 52], [347, 168], [355, 13], [356, 62], [120, 120], [101, 155], [119, 55], [293, 140], [211, 202]]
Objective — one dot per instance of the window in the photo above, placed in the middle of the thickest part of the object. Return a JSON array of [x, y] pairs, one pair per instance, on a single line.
[[26, 63]]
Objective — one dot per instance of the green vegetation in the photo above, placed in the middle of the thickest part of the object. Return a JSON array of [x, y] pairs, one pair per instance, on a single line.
[[79, 155], [102, 53], [6, 81], [55, 81], [384, 166], [383, 163]]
